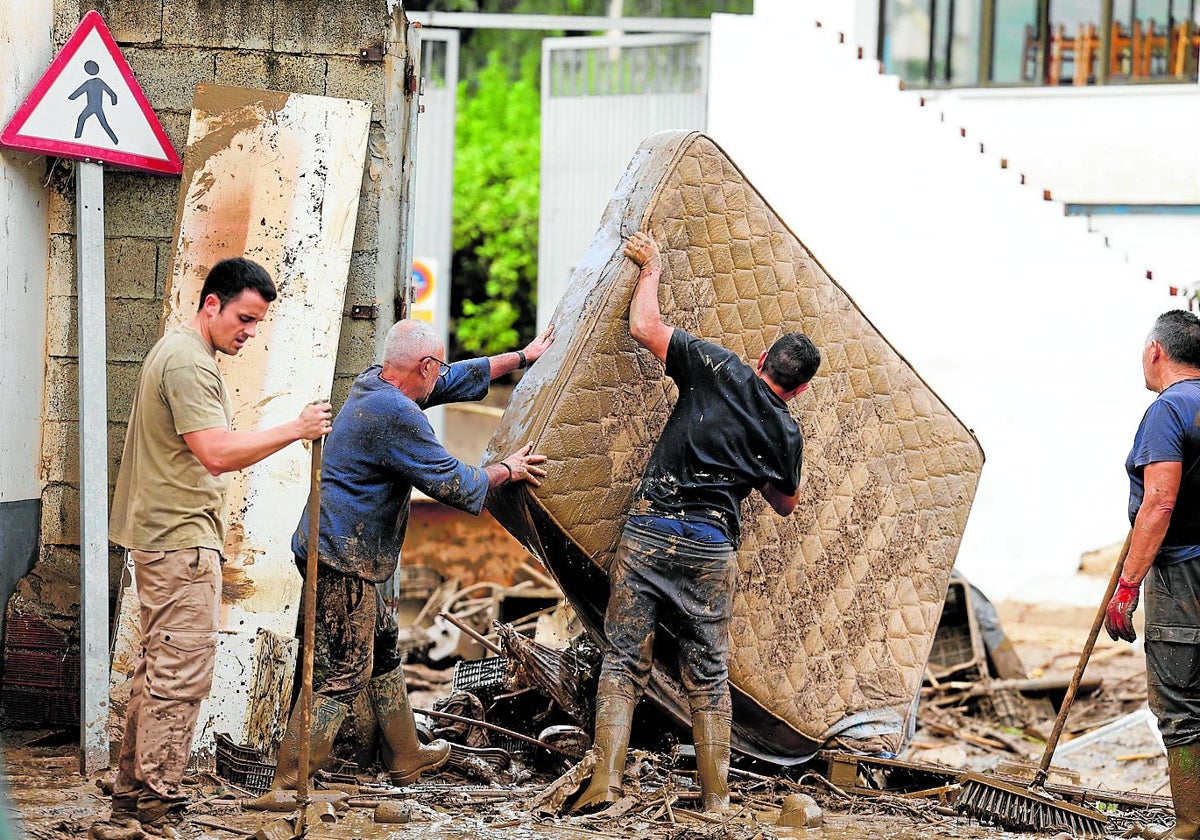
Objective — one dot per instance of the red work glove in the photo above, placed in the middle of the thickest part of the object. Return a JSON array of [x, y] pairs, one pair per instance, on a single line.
[[1118, 618]]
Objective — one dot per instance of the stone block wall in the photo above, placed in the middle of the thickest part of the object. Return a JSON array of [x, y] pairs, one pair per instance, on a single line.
[[305, 46]]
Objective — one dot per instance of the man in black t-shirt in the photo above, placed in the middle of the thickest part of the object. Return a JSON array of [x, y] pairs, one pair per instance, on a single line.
[[730, 433]]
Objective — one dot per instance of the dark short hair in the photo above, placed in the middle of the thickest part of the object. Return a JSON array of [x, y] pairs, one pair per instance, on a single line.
[[229, 278], [792, 361], [1178, 331]]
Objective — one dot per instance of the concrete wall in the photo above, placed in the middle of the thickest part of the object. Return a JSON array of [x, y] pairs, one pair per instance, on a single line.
[[304, 46], [1026, 324], [25, 52]]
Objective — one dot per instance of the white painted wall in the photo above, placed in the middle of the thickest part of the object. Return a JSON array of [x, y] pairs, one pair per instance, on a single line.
[[1112, 144], [1107, 144], [25, 53], [1024, 323]]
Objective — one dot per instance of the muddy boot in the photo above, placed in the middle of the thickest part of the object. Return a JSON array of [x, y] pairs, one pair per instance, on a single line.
[[357, 738], [614, 716], [116, 830], [710, 732], [161, 817], [1183, 764], [326, 720], [405, 757], [125, 806]]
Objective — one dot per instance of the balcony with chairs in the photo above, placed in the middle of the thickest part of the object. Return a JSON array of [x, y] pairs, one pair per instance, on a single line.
[[980, 43]]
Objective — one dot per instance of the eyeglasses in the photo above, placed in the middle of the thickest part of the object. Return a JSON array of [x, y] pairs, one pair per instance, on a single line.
[[443, 367]]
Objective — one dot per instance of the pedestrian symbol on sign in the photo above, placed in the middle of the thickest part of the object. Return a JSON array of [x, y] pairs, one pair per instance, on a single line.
[[94, 89]]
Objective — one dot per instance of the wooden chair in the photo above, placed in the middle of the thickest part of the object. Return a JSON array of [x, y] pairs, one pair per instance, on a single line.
[[1062, 51], [1185, 44], [1153, 46], [1120, 62], [1135, 48], [1087, 47]]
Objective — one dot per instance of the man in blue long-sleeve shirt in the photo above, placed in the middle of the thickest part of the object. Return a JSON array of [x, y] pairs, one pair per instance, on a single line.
[[380, 448]]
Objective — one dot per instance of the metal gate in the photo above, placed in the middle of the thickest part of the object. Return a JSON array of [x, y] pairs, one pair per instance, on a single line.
[[434, 199], [601, 96]]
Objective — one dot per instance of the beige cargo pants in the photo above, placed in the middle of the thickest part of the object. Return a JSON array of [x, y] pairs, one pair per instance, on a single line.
[[180, 597]]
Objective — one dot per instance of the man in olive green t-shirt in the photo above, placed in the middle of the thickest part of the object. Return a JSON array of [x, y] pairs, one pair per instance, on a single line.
[[169, 512]]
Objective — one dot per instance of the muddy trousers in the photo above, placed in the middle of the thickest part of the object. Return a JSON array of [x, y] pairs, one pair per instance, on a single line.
[[690, 586], [179, 593], [344, 656]]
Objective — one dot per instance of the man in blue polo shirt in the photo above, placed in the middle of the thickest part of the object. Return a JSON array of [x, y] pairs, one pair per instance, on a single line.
[[1164, 552], [380, 448], [730, 433]]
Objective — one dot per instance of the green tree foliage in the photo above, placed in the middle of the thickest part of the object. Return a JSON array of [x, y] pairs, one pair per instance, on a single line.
[[496, 165], [493, 304]]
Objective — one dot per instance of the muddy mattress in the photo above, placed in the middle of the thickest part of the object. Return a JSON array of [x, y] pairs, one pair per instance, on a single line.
[[837, 604]]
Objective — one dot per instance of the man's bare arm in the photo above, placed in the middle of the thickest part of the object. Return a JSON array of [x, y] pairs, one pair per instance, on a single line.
[[222, 450], [645, 317], [503, 363], [1162, 479]]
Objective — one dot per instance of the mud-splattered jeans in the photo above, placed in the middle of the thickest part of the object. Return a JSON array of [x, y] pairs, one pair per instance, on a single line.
[[1173, 650], [690, 585], [344, 636], [179, 593]]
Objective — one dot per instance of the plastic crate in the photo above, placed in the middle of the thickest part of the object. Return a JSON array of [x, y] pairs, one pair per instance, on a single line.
[[242, 766], [485, 678]]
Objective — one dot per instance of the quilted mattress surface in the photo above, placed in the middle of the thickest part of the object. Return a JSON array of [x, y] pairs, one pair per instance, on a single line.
[[837, 604]]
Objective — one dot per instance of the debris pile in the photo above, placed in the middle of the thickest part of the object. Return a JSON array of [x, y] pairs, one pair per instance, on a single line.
[[518, 712]]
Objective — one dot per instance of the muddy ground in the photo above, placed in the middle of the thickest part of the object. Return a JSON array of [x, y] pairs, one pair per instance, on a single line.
[[50, 799]]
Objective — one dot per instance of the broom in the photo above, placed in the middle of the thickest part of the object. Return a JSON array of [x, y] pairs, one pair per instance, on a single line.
[[1033, 808]]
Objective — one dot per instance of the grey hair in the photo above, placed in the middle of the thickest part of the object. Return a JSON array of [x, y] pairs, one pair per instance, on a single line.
[[409, 340], [1178, 331]]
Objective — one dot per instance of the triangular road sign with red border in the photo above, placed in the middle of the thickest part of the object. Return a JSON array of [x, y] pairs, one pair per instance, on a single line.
[[88, 106]]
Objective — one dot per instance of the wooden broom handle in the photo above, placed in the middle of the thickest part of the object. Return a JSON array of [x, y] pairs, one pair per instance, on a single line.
[[310, 626], [1039, 779]]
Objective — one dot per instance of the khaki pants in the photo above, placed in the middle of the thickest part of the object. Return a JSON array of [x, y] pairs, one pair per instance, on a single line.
[[180, 596]]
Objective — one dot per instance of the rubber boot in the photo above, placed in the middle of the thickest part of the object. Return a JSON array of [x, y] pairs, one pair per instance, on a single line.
[[326, 720], [405, 757], [710, 732], [614, 716], [1183, 764], [357, 738]]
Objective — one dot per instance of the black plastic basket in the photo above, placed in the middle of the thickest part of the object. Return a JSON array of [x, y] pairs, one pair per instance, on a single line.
[[242, 766], [485, 678]]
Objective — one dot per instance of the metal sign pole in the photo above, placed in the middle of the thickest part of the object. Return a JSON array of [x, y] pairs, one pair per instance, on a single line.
[[93, 467]]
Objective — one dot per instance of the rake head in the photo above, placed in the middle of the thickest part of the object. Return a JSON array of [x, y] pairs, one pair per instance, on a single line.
[[1016, 808]]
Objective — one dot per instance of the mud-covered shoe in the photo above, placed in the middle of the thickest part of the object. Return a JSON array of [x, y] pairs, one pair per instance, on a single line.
[[159, 817], [124, 807], [113, 830], [164, 827]]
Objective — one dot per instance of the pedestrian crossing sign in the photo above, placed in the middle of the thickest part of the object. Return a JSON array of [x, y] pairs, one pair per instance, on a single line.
[[88, 106]]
